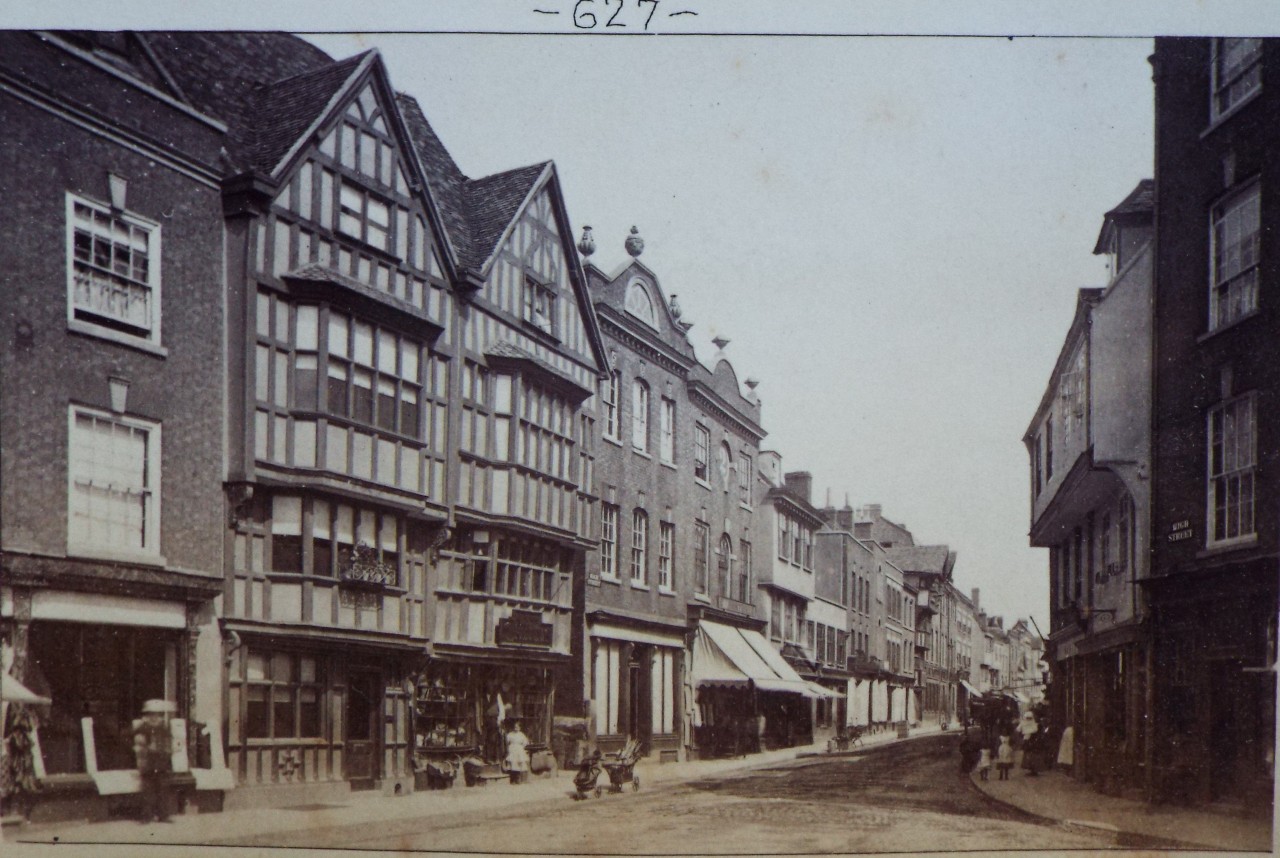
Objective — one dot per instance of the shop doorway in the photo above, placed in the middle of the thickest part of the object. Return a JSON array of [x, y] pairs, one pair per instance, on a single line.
[[1238, 736], [640, 704], [364, 704]]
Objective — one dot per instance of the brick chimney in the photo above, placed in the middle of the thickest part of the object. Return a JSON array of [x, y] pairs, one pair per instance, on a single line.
[[800, 484], [973, 594]]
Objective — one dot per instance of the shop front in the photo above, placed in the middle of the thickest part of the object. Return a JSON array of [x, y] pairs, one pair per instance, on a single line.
[[97, 658], [316, 716], [747, 698], [635, 684]]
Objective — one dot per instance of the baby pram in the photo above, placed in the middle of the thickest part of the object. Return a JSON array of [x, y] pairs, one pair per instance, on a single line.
[[620, 767]]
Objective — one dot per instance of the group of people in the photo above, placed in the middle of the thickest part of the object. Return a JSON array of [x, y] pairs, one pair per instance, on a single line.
[[997, 747]]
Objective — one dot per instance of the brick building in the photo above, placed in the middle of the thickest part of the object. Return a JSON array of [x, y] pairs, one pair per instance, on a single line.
[[111, 508], [1216, 447], [676, 470]]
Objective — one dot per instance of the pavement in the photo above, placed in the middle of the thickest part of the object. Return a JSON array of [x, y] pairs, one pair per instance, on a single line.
[[361, 808], [1055, 796]]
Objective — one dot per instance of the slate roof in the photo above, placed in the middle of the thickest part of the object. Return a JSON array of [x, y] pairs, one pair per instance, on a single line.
[[269, 87], [475, 211], [927, 559], [223, 74], [287, 108], [492, 203], [510, 351], [1138, 206]]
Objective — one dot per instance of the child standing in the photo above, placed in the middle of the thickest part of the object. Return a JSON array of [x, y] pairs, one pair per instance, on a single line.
[[1004, 758], [984, 763]]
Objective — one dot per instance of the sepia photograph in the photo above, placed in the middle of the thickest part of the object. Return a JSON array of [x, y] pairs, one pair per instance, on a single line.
[[639, 427]]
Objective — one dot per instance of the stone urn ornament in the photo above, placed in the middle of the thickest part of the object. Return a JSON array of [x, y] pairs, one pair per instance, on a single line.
[[634, 243]]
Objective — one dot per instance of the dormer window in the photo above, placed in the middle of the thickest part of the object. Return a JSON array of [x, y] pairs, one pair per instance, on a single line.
[[640, 303]]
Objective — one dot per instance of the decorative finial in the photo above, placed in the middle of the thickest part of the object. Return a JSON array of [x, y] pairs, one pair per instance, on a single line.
[[675, 307], [752, 383], [634, 243], [720, 342], [587, 244]]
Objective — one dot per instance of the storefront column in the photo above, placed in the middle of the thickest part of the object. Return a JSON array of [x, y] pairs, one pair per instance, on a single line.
[[21, 632], [627, 726], [679, 722]]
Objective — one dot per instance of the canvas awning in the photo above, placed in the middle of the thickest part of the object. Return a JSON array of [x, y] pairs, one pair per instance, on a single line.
[[973, 692], [821, 692], [13, 691], [728, 656]]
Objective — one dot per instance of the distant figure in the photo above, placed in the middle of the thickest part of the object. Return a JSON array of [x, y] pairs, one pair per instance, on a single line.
[[984, 763], [517, 754], [153, 750], [1004, 758], [1067, 748], [1031, 742], [968, 753]]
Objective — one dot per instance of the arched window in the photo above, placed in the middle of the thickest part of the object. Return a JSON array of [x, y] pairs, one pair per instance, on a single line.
[[724, 567], [640, 304], [724, 461]]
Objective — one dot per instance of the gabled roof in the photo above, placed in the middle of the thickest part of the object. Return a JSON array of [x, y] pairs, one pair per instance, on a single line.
[[923, 559], [492, 204], [1138, 207], [1086, 300], [224, 74], [287, 108], [476, 212]]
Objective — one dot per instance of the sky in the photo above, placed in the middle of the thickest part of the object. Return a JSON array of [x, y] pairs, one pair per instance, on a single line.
[[890, 231]]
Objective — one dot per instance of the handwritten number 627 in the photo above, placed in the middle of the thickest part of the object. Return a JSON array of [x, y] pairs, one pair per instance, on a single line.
[[584, 19]]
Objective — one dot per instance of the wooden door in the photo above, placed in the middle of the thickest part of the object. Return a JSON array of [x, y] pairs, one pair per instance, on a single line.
[[363, 751]]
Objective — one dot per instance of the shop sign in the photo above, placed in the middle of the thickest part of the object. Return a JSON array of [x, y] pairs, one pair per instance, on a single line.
[[1181, 530], [524, 628]]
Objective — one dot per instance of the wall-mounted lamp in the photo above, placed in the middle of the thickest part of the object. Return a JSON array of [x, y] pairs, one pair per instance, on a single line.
[[119, 394]]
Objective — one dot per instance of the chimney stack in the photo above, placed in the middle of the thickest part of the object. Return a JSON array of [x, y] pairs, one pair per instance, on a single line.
[[974, 595], [799, 483]]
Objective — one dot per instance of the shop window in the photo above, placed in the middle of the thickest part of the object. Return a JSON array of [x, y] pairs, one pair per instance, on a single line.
[[283, 696], [114, 280], [103, 672]]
